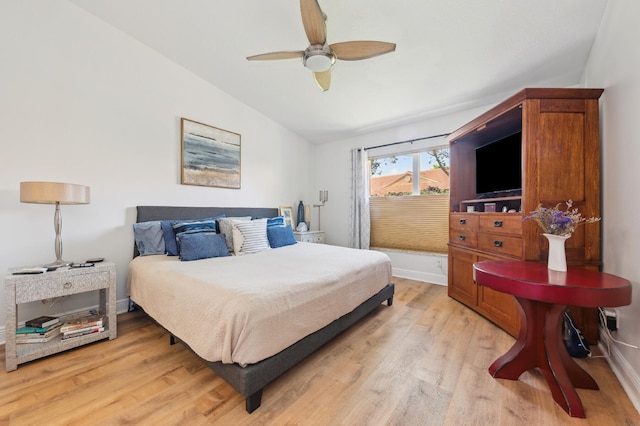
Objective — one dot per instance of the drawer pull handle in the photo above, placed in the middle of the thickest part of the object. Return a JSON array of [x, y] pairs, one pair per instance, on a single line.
[[463, 221], [497, 243], [497, 223], [462, 238], [67, 285]]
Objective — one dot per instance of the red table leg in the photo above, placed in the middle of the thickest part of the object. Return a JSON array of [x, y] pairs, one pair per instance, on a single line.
[[540, 345], [522, 356]]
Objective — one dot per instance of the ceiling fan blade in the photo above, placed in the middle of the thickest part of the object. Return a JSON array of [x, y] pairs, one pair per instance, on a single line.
[[276, 55], [313, 20], [356, 50], [323, 79]]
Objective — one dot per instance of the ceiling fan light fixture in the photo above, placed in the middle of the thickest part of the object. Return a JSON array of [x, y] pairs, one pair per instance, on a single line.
[[318, 58], [318, 63]]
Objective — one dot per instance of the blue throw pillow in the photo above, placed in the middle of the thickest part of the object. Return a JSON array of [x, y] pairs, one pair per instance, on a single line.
[[280, 236], [275, 221], [194, 225], [149, 238], [170, 234], [201, 245]]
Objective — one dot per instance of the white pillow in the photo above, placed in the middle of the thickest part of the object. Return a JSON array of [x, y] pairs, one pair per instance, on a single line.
[[250, 236]]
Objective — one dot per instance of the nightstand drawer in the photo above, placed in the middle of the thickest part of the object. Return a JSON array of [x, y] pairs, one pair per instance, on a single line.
[[316, 237], [49, 285]]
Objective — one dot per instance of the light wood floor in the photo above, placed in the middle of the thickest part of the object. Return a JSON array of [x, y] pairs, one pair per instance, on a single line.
[[421, 362]]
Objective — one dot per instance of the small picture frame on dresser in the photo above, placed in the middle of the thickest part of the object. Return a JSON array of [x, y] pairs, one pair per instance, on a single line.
[[490, 207], [287, 213]]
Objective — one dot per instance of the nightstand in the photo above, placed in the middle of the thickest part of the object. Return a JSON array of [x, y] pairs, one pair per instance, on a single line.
[[63, 282], [309, 236]]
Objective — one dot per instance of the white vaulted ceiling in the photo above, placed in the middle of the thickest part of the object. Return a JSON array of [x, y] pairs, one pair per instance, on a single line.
[[450, 55]]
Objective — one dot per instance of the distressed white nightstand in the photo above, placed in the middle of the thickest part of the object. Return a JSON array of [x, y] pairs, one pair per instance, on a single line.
[[309, 236], [63, 282]]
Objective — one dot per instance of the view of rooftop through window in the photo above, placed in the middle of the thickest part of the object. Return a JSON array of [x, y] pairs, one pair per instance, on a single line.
[[393, 175]]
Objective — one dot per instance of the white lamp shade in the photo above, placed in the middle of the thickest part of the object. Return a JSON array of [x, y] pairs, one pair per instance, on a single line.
[[53, 192]]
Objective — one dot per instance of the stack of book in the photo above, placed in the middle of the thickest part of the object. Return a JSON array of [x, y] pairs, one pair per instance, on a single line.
[[38, 330], [82, 326]]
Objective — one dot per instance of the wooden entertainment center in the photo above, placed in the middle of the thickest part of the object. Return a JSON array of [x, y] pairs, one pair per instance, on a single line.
[[560, 157]]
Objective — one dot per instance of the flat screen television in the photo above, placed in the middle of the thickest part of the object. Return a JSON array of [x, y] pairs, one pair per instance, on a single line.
[[499, 166]]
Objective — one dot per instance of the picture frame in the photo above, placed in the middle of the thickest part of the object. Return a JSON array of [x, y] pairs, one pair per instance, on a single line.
[[287, 213], [210, 156]]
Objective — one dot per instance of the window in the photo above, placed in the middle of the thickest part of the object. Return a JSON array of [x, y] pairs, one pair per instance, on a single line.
[[408, 213]]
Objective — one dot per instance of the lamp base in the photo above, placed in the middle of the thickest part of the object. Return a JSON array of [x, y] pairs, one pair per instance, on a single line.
[[58, 264]]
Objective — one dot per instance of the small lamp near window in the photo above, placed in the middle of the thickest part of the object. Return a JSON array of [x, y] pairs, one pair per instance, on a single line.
[[54, 193], [324, 197]]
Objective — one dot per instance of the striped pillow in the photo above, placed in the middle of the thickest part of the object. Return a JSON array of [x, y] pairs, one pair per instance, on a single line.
[[250, 236]]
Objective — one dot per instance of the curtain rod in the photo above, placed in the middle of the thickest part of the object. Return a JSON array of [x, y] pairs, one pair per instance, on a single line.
[[407, 141]]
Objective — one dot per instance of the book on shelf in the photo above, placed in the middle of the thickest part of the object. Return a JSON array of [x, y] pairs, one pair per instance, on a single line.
[[38, 331], [31, 330], [50, 334], [42, 322], [83, 332], [25, 341], [95, 320]]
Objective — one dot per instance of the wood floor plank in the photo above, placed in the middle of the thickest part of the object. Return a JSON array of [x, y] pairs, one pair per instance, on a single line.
[[422, 361]]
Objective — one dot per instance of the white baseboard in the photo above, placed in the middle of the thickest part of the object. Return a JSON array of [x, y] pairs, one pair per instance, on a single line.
[[627, 376], [121, 307], [420, 276]]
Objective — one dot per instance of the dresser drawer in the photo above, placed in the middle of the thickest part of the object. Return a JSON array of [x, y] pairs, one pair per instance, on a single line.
[[501, 224], [463, 237], [463, 221], [51, 285], [502, 244]]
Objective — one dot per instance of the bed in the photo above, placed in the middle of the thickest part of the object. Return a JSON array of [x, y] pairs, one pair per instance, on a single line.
[[266, 311]]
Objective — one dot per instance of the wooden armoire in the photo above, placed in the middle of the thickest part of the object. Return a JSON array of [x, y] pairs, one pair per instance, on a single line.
[[560, 161]]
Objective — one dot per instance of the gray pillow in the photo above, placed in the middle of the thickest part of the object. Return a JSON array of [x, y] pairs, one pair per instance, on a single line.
[[226, 228], [149, 238]]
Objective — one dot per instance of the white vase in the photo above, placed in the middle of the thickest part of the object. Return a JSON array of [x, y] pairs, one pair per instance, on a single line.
[[557, 260]]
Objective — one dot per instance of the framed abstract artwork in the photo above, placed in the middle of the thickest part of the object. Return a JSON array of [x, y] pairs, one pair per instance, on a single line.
[[210, 156]]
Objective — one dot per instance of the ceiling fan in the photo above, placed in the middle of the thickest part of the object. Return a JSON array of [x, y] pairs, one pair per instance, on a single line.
[[320, 57]]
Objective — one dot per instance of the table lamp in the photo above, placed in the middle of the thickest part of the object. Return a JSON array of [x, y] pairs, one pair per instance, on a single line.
[[54, 193]]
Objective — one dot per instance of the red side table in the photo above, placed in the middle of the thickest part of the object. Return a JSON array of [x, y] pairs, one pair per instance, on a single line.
[[543, 296]]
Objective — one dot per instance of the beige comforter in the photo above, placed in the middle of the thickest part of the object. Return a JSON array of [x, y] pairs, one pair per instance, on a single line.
[[243, 309]]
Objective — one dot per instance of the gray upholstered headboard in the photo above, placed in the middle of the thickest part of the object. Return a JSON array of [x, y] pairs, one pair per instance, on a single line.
[[147, 213]]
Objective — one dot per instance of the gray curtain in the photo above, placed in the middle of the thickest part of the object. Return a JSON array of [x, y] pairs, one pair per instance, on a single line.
[[360, 230]]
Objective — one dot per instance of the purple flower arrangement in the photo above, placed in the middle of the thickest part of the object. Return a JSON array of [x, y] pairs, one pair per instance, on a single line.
[[559, 222]]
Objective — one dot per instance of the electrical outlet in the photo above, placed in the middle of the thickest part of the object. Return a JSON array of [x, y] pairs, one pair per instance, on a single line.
[[612, 319]]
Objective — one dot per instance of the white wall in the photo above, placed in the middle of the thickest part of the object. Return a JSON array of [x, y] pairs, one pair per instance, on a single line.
[[81, 102], [614, 65], [333, 170]]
